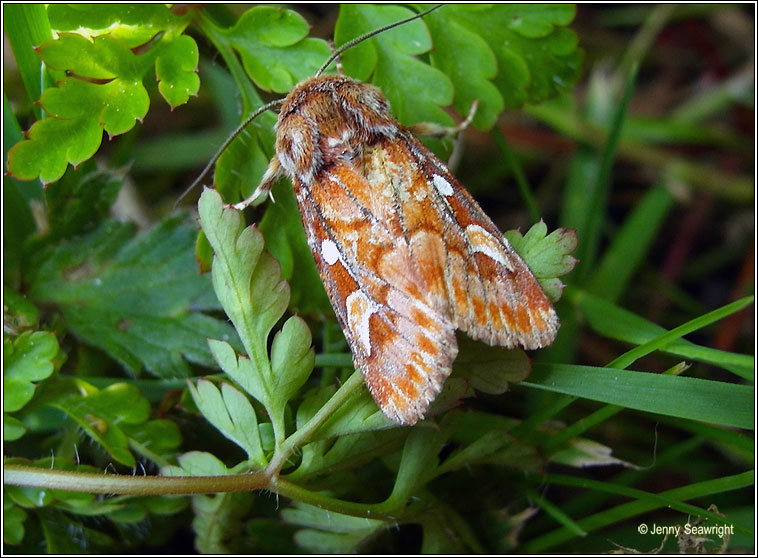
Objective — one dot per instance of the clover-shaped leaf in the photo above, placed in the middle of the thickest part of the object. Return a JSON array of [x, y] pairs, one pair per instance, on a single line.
[[415, 90], [274, 49], [547, 255], [104, 91]]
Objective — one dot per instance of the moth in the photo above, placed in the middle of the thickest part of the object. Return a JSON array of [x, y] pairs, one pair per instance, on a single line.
[[405, 253]]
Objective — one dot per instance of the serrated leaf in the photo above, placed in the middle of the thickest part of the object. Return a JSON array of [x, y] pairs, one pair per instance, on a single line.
[[454, 43], [415, 90], [239, 368], [102, 58], [132, 296], [29, 359], [274, 49], [176, 70], [248, 284], [548, 256], [106, 93], [537, 57], [231, 413]]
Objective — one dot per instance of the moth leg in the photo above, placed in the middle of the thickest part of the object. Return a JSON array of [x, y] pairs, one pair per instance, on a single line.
[[430, 129], [272, 174]]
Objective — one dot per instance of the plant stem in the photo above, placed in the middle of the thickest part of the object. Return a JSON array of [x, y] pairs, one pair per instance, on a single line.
[[305, 433], [98, 483]]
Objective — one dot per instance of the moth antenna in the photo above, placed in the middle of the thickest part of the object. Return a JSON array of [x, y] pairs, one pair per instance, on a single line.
[[370, 34], [227, 142]]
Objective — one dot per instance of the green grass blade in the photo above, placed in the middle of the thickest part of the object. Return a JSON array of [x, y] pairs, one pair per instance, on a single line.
[[676, 396], [27, 26], [556, 513], [617, 323], [661, 341], [596, 206]]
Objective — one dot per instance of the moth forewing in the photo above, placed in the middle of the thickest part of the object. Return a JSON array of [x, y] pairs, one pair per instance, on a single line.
[[406, 255]]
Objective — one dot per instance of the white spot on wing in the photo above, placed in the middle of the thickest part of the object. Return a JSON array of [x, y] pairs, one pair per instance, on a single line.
[[329, 251], [359, 310], [442, 185], [482, 241]]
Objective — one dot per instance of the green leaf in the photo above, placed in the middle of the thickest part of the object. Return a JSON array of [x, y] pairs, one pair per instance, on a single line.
[[248, 284], [242, 164], [81, 200], [419, 459], [133, 297], [106, 93], [490, 369], [329, 531], [292, 358], [415, 90], [133, 23], [231, 413], [57, 528], [274, 49], [466, 58], [196, 463], [101, 412], [19, 313], [13, 429], [26, 26], [524, 48], [615, 322], [548, 257], [631, 244], [160, 436], [176, 70], [13, 522], [676, 396], [28, 359]]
